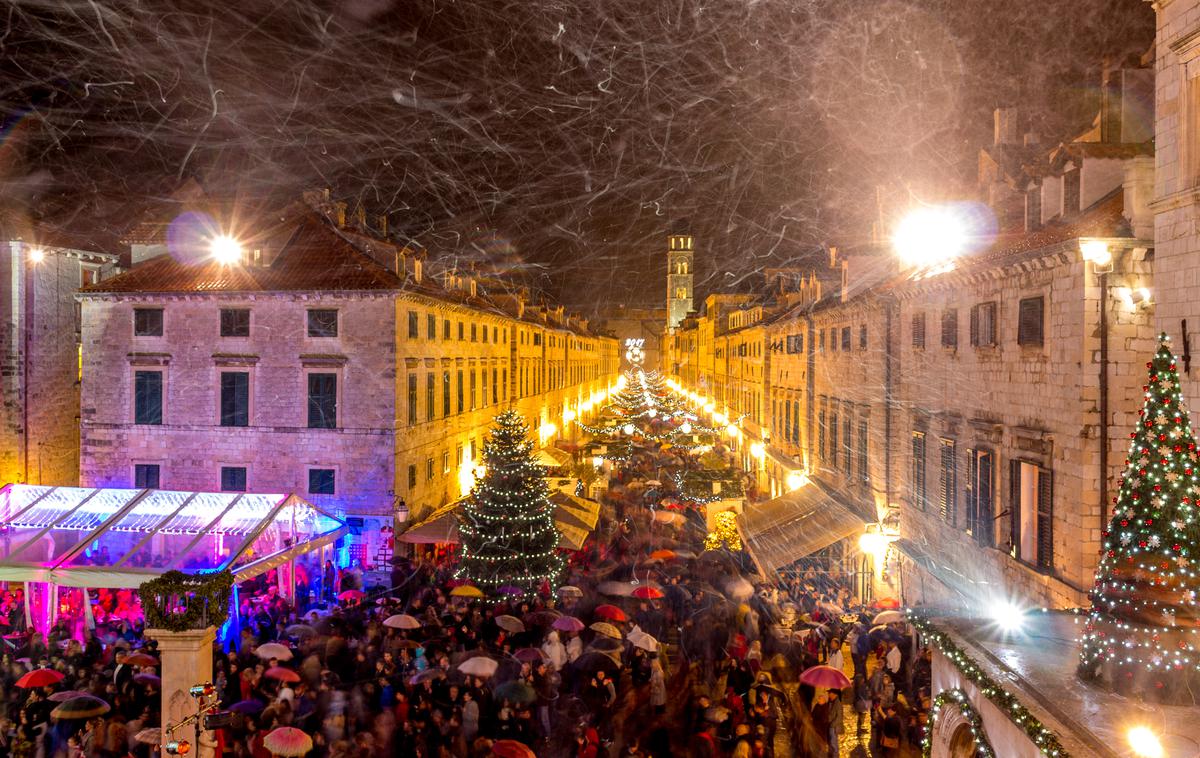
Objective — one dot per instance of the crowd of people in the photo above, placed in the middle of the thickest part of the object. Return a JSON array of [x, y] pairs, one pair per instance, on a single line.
[[652, 648]]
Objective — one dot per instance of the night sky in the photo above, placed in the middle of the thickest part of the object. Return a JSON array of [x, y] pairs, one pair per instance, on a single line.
[[573, 135]]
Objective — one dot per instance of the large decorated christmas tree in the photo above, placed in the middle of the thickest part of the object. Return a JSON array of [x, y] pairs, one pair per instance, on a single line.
[[509, 540], [645, 409], [1142, 635]]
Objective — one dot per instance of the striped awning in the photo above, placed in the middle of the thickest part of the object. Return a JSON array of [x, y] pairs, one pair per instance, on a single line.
[[796, 525]]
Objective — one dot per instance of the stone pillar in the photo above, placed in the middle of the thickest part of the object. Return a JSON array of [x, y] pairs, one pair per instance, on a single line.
[[186, 661]]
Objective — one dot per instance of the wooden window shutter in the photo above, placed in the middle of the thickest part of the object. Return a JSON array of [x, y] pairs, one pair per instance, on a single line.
[[918, 330], [975, 326], [946, 482], [984, 510], [1045, 519], [846, 446], [1030, 321], [1014, 507], [972, 503]]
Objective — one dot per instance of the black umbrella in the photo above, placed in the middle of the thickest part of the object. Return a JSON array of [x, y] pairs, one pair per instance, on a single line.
[[594, 660]]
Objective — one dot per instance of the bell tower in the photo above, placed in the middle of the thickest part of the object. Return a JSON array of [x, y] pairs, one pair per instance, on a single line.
[[679, 278]]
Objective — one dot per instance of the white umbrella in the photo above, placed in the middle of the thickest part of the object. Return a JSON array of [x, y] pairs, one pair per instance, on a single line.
[[510, 624], [617, 589], [273, 650], [478, 666], [739, 589], [646, 642], [402, 621], [888, 617]]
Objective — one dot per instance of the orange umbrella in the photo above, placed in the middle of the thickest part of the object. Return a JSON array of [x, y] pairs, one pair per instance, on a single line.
[[646, 592], [611, 613], [663, 555], [282, 674], [512, 749], [288, 741]]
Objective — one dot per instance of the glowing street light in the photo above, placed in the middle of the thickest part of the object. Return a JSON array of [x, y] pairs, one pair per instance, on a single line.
[[1145, 743], [225, 249], [795, 480], [930, 236], [37, 255], [1008, 616], [1096, 252]]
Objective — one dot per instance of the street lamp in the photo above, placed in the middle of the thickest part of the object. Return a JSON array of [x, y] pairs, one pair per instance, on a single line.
[[1145, 743], [1097, 253], [930, 236]]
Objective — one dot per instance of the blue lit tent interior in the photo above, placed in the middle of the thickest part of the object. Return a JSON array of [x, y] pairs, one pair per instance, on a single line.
[[62, 542]]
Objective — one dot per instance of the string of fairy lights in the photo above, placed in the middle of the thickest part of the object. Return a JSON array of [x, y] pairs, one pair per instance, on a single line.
[[1144, 605]]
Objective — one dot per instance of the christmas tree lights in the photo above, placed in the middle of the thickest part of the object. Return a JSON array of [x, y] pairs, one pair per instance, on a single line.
[[506, 527], [724, 533], [1141, 634]]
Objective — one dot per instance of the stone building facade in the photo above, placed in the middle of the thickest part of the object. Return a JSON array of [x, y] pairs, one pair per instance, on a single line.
[[330, 364], [39, 415], [1176, 201], [978, 409]]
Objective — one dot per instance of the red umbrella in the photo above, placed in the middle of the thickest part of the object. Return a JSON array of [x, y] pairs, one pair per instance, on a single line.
[[825, 676], [646, 592], [39, 678], [352, 595], [887, 602], [140, 659], [287, 741], [611, 613], [512, 749], [282, 674]]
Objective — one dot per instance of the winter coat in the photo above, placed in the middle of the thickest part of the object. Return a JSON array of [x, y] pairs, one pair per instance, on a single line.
[[658, 685], [556, 652], [574, 649]]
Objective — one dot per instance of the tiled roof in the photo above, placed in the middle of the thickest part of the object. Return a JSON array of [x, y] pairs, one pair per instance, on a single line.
[[312, 256], [1099, 150]]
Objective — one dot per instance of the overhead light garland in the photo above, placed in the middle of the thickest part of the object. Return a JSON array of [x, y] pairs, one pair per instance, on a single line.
[[1140, 636], [506, 526], [1045, 739]]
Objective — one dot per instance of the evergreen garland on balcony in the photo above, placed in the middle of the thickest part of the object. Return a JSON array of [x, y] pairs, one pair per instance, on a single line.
[[180, 602]]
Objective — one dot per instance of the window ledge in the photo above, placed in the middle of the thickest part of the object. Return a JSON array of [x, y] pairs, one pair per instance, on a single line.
[[235, 359], [323, 359], [148, 359]]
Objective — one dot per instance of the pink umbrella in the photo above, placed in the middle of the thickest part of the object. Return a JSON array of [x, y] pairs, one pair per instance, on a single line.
[[351, 595], [825, 676], [568, 624], [282, 674], [288, 741]]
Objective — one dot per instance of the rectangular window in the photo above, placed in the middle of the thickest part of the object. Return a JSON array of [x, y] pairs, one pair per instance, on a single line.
[[821, 435], [833, 340], [412, 476], [429, 469], [461, 392], [917, 474], [1030, 320], [1071, 192], [474, 332], [483, 391], [460, 331], [948, 483], [235, 322], [833, 441], [787, 420], [321, 481], [235, 398], [980, 500], [950, 328], [504, 380], [1031, 500], [146, 476], [445, 394], [863, 472], [983, 325], [847, 447], [412, 399], [1033, 209], [445, 461], [323, 322], [845, 338], [918, 331], [430, 396], [473, 388], [485, 334], [495, 333], [233, 478], [147, 322], [414, 325], [495, 387], [148, 397], [862, 337], [322, 401], [446, 329], [431, 327]]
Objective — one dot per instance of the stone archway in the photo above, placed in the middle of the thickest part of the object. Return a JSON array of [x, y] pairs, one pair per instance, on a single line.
[[955, 729]]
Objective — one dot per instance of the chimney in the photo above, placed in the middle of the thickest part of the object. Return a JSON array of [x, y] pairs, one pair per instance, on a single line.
[[382, 220], [360, 218], [1005, 123], [1031, 139], [418, 268], [339, 214]]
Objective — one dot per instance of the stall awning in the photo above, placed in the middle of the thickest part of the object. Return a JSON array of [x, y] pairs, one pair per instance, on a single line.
[[575, 517], [796, 525]]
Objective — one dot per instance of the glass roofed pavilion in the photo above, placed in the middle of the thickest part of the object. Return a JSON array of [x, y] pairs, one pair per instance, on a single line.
[[120, 538]]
